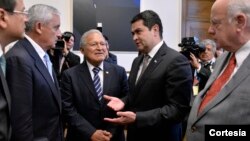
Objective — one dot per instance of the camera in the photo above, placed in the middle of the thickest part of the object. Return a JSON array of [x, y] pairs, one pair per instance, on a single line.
[[191, 45], [59, 44], [66, 36]]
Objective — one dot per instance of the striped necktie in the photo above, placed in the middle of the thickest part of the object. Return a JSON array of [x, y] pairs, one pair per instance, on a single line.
[[97, 83]]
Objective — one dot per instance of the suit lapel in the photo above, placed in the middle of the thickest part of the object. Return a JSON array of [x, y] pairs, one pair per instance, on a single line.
[[5, 88], [88, 80], [107, 77], [43, 70], [155, 61], [235, 81], [134, 69]]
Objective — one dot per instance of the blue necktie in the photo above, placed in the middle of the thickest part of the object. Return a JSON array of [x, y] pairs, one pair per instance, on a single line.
[[48, 64], [3, 64], [97, 83]]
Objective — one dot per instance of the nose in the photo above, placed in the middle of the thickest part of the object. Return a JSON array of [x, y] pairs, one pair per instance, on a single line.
[[134, 37], [211, 30]]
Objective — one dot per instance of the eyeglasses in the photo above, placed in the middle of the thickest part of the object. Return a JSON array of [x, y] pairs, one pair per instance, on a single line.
[[95, 44], [21, 12]]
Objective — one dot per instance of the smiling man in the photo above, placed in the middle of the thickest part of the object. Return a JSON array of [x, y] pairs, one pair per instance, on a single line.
[[83, 87]]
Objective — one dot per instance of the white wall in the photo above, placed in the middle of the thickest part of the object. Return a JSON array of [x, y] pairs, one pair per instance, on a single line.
[[168, 10]]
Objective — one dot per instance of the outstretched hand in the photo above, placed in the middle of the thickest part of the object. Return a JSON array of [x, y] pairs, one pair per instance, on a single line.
[[114, 103], [123, 118]]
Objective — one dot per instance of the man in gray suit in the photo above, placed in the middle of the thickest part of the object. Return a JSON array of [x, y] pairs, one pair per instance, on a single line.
[[159, 97], [230, 28], [11, 12]]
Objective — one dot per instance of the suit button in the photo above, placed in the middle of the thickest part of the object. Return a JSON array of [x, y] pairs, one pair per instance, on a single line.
[[193, 129]]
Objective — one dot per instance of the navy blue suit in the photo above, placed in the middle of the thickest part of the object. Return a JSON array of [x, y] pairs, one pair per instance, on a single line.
[[36, 99], [82, 109]]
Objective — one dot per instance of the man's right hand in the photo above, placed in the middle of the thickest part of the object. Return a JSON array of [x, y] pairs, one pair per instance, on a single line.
[[101, 135], [114, 103]]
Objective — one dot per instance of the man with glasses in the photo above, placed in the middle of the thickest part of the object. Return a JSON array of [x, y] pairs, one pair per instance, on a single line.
[[9, 32], [83, 87], [36, 99]]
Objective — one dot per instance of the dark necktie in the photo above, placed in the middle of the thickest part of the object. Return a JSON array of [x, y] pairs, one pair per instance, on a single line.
[[97, 83], [3, 64], [48, 64], [219, 83]]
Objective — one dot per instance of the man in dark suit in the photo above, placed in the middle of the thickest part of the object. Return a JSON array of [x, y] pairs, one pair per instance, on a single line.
[[36, 99], [203, 64], [62, 57], [84, 109], [11, 12], [225, 98], [159, 97]]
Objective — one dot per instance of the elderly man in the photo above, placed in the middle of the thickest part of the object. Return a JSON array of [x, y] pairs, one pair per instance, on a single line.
[[83, 87], [36, 99], [225, 98]]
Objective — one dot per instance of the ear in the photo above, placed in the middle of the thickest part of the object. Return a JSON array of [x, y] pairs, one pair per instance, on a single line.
[[82, 50], [3, 18], [241, 21], [38, 27], [155, 28]]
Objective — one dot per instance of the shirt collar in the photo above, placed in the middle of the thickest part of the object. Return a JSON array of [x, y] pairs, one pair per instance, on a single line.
[[37, 47], [91, 67], [242, 53], [155, 49]]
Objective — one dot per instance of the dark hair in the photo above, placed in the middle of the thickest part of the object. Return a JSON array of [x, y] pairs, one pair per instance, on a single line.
[[150, 18], [8, 5], [66, 35], [105, 37]]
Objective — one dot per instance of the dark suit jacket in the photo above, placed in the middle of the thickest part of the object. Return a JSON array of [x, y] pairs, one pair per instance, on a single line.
[[5, 129], [204, 74], [83, 111], [112, 58], [70, 60], [161, 96], [36, 100]]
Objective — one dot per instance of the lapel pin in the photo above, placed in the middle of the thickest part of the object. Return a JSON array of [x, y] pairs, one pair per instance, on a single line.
[[106, 72], [155, 61]]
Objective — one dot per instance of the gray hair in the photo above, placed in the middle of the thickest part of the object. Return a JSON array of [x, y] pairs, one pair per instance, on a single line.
[[40, 13], [83, 41], [8, 5], [238, 6], [209, 42]]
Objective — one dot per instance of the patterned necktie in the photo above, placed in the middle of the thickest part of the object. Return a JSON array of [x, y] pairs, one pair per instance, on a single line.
[[145, 63], [3, 64], [48, 64], [97, 83], [219, 83]]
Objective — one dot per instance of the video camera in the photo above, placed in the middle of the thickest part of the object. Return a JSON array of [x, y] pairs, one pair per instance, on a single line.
[[191, 45], [59, 44]]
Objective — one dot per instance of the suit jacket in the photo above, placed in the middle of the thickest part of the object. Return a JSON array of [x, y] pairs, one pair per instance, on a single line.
[[36, 99], [161, 96], [70, 60], [230, 106], [204, 74], [82, 109], [111, 58], [5, 129]]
